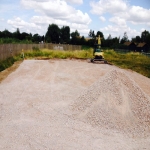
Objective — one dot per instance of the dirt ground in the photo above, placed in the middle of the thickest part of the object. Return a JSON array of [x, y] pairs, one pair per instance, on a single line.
[[74, 105]]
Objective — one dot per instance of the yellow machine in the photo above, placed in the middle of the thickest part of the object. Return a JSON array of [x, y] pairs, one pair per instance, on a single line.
[[98, 52]]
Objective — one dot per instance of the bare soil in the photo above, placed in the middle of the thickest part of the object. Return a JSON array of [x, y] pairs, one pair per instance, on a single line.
[[74, 105]]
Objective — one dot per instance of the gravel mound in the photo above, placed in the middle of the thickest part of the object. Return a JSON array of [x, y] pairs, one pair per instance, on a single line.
[[115, 102]]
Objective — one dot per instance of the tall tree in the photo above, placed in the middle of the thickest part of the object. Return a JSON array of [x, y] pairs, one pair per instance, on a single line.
[[109, 37], [137, 39], [100, 33], [75, 37], [36, 38], [53, 34], [7, 34], [91, 34], [65, 34], [124, 38], [144, 36], [17, 34]]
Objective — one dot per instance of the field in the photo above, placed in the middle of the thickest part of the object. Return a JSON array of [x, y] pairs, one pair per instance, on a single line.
[[70, 104], [133, 61]]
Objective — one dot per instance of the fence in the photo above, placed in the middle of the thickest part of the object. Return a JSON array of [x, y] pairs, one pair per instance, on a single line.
[[8, 50], [122, 50], [146, 54], [127, 51]]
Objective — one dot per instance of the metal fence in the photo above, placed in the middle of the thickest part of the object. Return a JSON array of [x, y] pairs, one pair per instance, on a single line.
[[122, 50], [146, 54], [8, 50], [127, 51]]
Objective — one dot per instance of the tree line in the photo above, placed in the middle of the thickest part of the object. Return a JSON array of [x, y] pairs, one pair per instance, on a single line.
[[62, 35]]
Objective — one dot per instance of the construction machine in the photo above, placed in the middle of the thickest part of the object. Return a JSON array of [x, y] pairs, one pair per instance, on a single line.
[[98, 53]]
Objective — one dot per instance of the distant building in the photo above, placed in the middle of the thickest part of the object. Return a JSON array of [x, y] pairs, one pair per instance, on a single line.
[[142, 47], [88, 38], [130, 46]]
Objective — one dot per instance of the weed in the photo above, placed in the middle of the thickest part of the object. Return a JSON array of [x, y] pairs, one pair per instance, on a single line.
[[131, 60]]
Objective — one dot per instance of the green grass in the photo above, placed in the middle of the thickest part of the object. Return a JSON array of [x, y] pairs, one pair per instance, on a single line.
[[8, 62], [45, 53], [134, 61], [84, 47]]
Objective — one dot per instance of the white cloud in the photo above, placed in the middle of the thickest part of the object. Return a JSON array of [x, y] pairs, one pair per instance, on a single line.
[[117, 31], [118, 21], [111, 6], [58, 9], [39, 24], [44, 20], [121, 15], [83, 29], [58, 12], [75, 1], [102, 18], [121, 11], [138, 14], [24, 26]]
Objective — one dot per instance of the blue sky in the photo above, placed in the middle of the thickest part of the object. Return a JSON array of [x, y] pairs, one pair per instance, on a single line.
[[108, 16]]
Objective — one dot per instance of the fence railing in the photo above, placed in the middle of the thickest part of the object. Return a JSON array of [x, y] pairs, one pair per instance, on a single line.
[[122, 50], [8, 50], [127, 51], [146, 54]]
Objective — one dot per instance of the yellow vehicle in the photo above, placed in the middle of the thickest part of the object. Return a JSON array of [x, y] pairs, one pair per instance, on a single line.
[[98, 54]]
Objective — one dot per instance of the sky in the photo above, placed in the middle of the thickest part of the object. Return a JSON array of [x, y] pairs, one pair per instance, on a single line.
[[114, 17]]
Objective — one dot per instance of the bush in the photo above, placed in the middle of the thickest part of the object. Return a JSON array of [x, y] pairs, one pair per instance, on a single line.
[[35, 48], [131, 60], [6, 63]]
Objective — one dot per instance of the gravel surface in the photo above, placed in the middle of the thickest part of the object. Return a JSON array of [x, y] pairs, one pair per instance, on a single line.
[[74, 105]]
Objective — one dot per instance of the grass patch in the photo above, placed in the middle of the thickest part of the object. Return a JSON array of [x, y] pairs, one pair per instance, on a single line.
[[133, 61], [4, 64], [85, 47], [45, 53], [7, 63]]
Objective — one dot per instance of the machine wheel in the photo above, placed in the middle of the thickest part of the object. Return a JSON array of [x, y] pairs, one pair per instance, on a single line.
[[92, 60]]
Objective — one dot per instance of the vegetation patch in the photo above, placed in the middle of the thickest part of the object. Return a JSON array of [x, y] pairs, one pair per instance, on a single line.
[[45, 53], [134, 61]]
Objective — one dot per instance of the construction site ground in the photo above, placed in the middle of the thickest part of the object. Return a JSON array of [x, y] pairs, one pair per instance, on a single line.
[[74, 105]]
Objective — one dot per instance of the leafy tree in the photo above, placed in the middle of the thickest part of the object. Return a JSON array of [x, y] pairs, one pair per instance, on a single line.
[[75, 37], [144, 35], [36, 38], [17, 34], [124, 38], [137, 39], [53, 33], [75, 34], [24, 36], [65, 34], [109, 37], [82, 41], [6, 34], [100, 33], [91, 34]]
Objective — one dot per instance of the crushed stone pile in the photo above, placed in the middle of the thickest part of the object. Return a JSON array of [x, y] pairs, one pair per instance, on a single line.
[[115, 102]]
